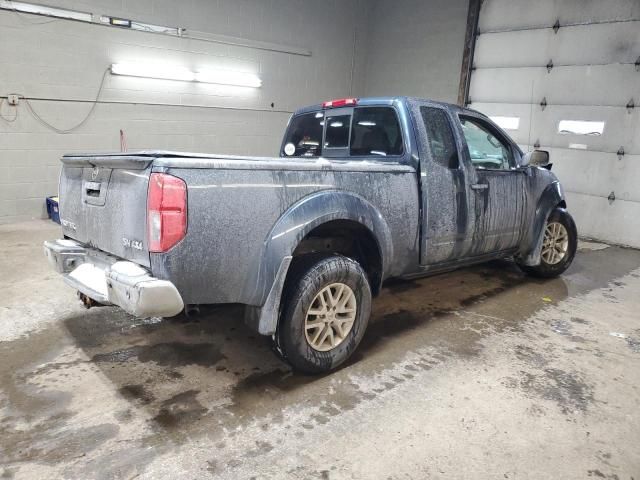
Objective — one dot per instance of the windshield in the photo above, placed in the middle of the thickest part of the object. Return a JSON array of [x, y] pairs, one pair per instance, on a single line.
[[304, 137]]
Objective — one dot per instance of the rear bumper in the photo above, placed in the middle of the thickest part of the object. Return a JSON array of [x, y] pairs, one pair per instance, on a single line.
[[111, 281]]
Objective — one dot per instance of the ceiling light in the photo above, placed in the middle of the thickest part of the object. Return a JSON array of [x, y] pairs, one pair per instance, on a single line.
[[166, 72]]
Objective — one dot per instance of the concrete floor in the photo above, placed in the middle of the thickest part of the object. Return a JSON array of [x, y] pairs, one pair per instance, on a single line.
[[481, 373]]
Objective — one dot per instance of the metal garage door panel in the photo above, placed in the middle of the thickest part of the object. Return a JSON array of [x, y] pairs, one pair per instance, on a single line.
[[583, 45], [621, 128], [598, 174], [598, 218], [510, 14], [576, 85]]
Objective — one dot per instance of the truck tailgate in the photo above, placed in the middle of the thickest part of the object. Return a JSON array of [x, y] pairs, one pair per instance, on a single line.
[[103, 203]]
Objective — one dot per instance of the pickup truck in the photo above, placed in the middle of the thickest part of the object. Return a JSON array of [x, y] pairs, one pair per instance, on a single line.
[[363, 190]]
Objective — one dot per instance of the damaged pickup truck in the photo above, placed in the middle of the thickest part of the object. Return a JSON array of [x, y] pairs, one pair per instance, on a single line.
[[363, 190]]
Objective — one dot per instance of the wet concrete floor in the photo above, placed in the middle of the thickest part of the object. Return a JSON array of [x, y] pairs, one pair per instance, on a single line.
[[479, 373]]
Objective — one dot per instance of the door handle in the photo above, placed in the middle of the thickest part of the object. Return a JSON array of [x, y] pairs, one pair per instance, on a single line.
[[479, 186]]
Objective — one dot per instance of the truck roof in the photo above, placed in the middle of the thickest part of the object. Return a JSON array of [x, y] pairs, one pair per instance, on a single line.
[[372, 101]]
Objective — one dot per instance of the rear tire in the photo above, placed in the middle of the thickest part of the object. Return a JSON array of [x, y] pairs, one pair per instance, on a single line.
[[325, 313], [559, 246]]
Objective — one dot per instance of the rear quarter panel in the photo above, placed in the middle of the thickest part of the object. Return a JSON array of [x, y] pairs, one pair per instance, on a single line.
[[232, 213]]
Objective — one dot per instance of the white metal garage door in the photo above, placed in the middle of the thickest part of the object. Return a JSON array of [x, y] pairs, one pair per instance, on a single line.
[[586, 69]]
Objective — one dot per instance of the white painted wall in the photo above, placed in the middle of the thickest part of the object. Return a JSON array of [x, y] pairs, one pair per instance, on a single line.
[[358, 47], [415, 48]]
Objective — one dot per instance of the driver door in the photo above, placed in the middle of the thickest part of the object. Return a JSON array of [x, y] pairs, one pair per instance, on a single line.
[[498, 189]]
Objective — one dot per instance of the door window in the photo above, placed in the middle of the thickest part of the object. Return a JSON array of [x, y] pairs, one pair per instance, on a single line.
[[440, 136], [485, 149]]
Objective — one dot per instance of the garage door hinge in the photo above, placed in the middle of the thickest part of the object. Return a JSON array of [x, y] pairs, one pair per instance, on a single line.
[[612, 197], [556, 26], [630, 106], [543, 103], [637, 64], [549, 66], [620, 153], [537, 144]]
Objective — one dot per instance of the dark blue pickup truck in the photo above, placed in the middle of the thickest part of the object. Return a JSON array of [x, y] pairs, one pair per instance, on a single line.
[[363, 190]]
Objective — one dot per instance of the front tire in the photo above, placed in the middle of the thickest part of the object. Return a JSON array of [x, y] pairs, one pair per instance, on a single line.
[[326, 312], [559, 246]]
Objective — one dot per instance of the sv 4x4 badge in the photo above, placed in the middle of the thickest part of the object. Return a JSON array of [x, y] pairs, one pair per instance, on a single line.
[[136, 244]]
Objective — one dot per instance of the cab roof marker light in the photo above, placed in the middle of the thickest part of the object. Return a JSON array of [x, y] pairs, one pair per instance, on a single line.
[[35, 9], [340, 102], [168, 72]]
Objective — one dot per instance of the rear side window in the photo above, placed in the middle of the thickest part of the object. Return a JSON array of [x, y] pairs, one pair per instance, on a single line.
[[375, 131], [304, 138], [337, 135], [440, 136]]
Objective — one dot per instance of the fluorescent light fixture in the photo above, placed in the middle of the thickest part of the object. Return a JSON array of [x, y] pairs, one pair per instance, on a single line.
[[168, 72], [507, 123], [163, 72], [35, 9], [580, 127], [228, 77]]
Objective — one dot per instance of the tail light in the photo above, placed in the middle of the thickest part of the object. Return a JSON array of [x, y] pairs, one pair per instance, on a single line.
[[166, 211], [341, 102]]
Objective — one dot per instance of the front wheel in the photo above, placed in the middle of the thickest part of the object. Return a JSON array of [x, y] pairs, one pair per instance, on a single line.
[[325, 314], [559, 246]]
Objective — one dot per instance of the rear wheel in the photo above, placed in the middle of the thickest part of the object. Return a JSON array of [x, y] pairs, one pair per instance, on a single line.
[[325, 314], [559, 246]]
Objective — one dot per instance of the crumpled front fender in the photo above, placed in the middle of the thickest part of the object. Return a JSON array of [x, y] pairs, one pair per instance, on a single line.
[[551, 197]]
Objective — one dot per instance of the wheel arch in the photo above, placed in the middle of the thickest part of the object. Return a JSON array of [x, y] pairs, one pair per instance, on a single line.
[[551, 198], [324, 212]]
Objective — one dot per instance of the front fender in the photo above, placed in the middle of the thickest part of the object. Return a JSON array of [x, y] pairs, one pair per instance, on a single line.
[[551, 196], [300, 219]]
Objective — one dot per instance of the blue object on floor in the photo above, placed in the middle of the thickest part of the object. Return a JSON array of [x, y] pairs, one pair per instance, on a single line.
[[52, 209]]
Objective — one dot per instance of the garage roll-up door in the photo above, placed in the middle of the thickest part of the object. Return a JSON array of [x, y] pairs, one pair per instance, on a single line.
[[569, 72]]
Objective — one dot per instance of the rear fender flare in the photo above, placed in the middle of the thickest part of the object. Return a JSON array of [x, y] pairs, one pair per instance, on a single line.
[[300, 219]]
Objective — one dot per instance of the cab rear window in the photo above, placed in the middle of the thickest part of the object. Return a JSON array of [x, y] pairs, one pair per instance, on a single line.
[[361, 132]]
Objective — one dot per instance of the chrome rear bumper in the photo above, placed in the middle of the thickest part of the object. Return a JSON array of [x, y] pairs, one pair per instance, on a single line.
[[111, 281]]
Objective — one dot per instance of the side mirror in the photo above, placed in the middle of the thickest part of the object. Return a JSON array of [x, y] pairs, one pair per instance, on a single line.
[[537, 158]]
